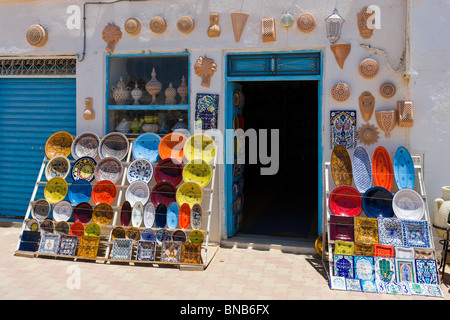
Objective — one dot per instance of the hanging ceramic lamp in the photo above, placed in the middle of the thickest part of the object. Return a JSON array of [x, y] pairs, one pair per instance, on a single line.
[[341, 52], [405, 113], [334, 26], [238, 20], [287, 20]]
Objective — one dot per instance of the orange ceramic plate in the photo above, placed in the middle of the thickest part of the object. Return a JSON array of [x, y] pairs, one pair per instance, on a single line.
[[341, 167], [59, 144], [104, 191], [184, 216], [383, 172], [171, 146], [77, 229]]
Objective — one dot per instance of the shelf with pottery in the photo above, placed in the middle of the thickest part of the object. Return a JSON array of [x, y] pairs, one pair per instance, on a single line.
[[149, 107]]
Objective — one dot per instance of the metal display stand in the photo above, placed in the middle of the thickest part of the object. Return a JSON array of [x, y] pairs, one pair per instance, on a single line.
[[106, 242]]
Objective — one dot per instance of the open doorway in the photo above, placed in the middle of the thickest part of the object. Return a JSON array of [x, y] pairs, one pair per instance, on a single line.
[[284, 204]]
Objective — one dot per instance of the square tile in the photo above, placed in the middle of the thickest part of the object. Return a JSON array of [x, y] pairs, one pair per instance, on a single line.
[[146, 250], [353, 284], [88, 246], [369, 286], [385, 269], [415, 234], [364, 268], [337, 283], [390, 231], [67, 245], [405, 270], [171, 251], [343, 266], [49, 243], [426, 271], [191, 253], [122, 249]]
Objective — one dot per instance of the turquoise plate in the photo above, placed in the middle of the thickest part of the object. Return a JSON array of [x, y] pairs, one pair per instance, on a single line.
[[172, 215], [404, 173], [146, 147]]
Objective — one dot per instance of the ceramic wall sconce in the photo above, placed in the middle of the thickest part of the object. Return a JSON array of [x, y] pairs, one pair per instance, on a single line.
[[238, 20], [214, 29], [306, 22], [341, 52], [37, 35], [89, 113], [368, 68], [405, 113], [111, 35], [387, 121], [340, 92], [185, 24], [366, 105], [362, 18], [132, 26], [368, 134], [158, 25], [387, 90], [268, 30], [205, 68]]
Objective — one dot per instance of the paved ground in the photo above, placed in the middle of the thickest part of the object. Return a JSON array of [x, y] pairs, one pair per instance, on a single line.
[[235, 273]]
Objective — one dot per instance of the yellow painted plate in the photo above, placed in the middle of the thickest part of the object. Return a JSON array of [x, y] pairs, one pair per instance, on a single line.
[[196, 171], [59, 144], [55, 190], [93, 230], [190, 193], [102, 214], [200, 146]]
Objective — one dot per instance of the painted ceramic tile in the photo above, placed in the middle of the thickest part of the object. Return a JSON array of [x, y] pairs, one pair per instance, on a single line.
[[146, 250], [405, 270], [68, 245], [415, 234], [363, 249], [30, 241], [416, 289], [423, 253], [364, 268], [381, 286], [343, 266], [426, 271], [366, 230], [343, 128], [341, 228], [337, 283], [405, 288], [88, 246], [385, 269], [206, 110], [404, 253], [353, 284], [344, 247], [191, 253], [434, 290], [369, 286], [49, 243], [390, 231], [393, 288], [122, 249], [382, 250], [171, 251]]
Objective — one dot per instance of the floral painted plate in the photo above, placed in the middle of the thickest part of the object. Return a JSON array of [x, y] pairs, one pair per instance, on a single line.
[[102, 214], [200, 146], [140, 170], [146, 147], [196, 216], [55, 190], [163, 192], [82, 212], [62, 211], [138, 191], [408, 204], [137, 215], [149, 214], [58, 144], [196, 236], [92, 229], [148, 234], [171, 146], [109, 169], [104, 191], [190, 193], [172, 215], [184, 216], [58, 166], [40, 209], [114, 144], [84, 168], [85, 145], [197, 171], [345, 201], [80, 191]]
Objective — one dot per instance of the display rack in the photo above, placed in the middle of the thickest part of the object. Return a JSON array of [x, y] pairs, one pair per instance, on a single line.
[[106, 242]]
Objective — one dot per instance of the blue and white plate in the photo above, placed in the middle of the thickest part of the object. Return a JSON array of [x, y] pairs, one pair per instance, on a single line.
[[140, 170], [390, 231], [80, 191], [148, 234], [85, 145], [146, 147], [408, 204], [362, 169], [137, 214], [415, 233], [404, 173], [149, 214], [172, 215], [163, 235]]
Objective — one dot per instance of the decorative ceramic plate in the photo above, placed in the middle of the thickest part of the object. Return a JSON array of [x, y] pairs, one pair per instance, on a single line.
[[85, 145], [415, 234], [341, 166], [190, 193], [168, 170], [32, 225], [362, 169], [114, 144], [109, 169], [171, 146], [146, 250], [179, 235], [93, 230], [171, 251], [133, 233], [148, 234], [49, 243], [200, 146], [366, 230], [184, 216], [383, 172], [149, 214], [377, 202], [197, 171], [84, 168], [58, 144], [140, 170], [408, 204], [146, 147], [137, 191], [196, 216], [104, 191], [125, 214], [196, 236], [383, 250], [118, 233], [341, 228], [62, 211], [102, 214], [55, 190], [163, 192], [80, 191], [88, 247], [62, 227], [345, 201], [47, 226], [40, 209], [58, 166], [390, 231], [122, 249], [172, 215], [161, 215], [77, 229], [404, 173], [82, 212], [137, 215], [67, 245], [163, 235]]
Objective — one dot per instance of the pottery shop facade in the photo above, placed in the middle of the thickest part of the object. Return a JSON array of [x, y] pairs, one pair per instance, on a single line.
[[299, 76]]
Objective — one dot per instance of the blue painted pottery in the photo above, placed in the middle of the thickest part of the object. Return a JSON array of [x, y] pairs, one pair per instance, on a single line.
[[146, 147], [377, 202], [362, 169], [161, 215], [404, 173], [80, 191], [148, 234], [172, 215]]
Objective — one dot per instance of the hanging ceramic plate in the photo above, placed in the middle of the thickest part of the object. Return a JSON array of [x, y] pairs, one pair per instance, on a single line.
[[62, 211], [82, 212], [32, 225], [377, 202], [190, 193], [196, 216], [415, 233], [40, 209], [109, 169], [200, 146], [382, 170], [172, 215], [133, 233], [85, 145], [362, 169], [125, 214], [80, 191], [196, 236], [137, 215], [171, 146], [345, 201], [163, 235], [84, 168], [114, 144], [179, 235], [104, 191], [62, 227], [137, 191], [55, 190], [168, 170], [341, 167], [140, 170], [184, 216], [390, 231], [93, 230], [408, 204], [161, 215], [58, 144], [102, 214], [58, 166], [77, 229], [47, 226], [146, 147], [148, 234], [404, 173], [118, 233], [163, 192], [197, 171], [149, 214]]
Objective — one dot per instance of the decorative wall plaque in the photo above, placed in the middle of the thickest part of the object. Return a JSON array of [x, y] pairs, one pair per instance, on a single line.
[[185, 24], [368, 134], [205, 68], [306, 22], [268, 29], [343, 128], [238, 20], [206, 109], [366, 105], [158, 25], [214, 29], [37, 35], [387, 90], [340, 92], [89, 113], [111, 35], [405, 113], [362, 18], [132, 26], [386, 120], [368, 68], [341, 52]]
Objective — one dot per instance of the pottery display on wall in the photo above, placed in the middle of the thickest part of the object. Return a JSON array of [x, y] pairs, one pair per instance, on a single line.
[[111, 35], [214, 29], [341, 52], [238, 20], [205, 68], [386, 120]]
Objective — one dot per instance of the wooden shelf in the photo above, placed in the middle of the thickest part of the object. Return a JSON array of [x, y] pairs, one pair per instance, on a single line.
[[148, 107]]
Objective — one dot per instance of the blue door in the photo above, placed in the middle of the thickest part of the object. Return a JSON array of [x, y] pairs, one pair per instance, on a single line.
[[31, 110]]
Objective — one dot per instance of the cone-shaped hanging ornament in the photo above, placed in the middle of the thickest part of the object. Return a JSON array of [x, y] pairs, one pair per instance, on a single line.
[[341, 52], [238, 20]]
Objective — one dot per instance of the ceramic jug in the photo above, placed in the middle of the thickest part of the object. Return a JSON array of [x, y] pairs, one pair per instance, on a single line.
[[442, 211], [120, 92], [136, 125]]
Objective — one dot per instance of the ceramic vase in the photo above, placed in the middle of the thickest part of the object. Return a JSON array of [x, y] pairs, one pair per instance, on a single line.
[[120, 92], [442, 211], [153, 87], [171, 93], [183, 91], [136, 94]]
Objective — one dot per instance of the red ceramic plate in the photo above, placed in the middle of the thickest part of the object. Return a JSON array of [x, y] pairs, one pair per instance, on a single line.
[[125, 214], [168, 170], [184, 216], [382, 170], [381, 250], [77, 229], [104, 191], [163, 192], [82, 212], [345, 201], [171, 146]]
